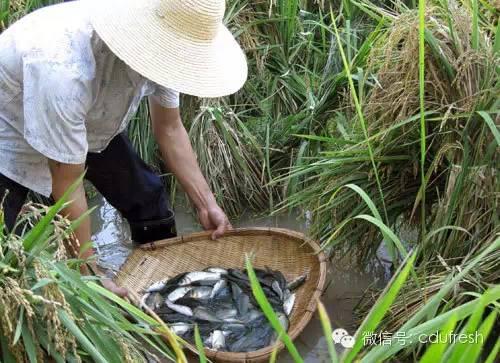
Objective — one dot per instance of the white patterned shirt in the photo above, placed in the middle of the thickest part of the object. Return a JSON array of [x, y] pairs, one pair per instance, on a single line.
[[63, 93]]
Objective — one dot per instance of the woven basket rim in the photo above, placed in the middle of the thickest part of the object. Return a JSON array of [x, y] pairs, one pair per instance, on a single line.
[[297, 237]]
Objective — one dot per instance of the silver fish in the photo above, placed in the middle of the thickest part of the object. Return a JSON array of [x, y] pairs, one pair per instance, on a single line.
[[252, 315], [180, 328], [221, 284], [296, 283], [157, 286], [197, 276], [203, 314], [236, 328], [243, 304], [143, 305], [283, 319], [289, 303], [201, 292], [218, 340], [277, 289], [216, 270], [233, 321], [224, 314], [154, 300], [181, 309], [178, 293]]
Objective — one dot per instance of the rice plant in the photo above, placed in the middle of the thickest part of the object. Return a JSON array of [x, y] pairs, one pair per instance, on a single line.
[[474, 320], [50, 312], [458, 93]]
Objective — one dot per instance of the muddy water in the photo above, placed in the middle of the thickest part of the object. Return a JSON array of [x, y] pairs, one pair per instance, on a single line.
[[346, 283]]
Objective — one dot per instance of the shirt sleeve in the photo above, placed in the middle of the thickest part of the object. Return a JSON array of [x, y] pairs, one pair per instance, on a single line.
[[166, 97], [56, 101]]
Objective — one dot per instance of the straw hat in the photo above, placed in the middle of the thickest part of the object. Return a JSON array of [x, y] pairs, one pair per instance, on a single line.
[[179, 44]]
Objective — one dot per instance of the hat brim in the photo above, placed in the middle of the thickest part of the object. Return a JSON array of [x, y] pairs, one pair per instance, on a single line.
[[135, 33]]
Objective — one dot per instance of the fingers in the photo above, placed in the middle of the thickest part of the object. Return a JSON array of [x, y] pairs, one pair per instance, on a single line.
[[221, 229], [115, 289]]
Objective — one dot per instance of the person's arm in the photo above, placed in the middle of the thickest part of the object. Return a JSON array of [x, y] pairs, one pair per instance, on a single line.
[[180, 159], [63, 176]]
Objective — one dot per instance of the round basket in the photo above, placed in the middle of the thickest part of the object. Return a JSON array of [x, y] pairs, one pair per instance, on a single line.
[[287, 251]]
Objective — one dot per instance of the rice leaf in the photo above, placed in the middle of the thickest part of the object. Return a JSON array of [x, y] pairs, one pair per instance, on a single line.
[[41, 283], [270, 314], [7, 356], [28, 343], [387, 231], [475, 25], [436, 350], [380, 308], [20, 322], [412, 335], [458, 349], [491, 124], [82, 339], [199, 344], [40, 229], [327, 332], [473, 350], [493, 356], [423, 128], [359, 112]]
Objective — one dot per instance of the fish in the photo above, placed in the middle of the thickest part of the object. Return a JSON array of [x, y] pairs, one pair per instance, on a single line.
[[203, 314], [238, 274], [197, 276], [218, 340], [225, 314], [201, 292], [175, 317], [144, 297], [297, 282], [236, 290], [253, 315], [221, 302], [221, 284], [260, 337], [216, 270], [283, 319], [157, 286], [153, 300], [243, 304], [235, 328], [210, 283], [181, 309], [277, 289], [288, 304], [178, 293], [180, 328]]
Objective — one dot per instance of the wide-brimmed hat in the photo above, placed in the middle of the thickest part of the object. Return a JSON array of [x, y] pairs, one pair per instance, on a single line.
[[179, 44]]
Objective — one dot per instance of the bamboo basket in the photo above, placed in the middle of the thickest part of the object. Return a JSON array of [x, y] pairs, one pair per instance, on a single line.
[[287, 251]]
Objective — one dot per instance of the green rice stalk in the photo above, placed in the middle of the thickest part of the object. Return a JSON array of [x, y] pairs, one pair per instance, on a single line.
[[423, 132], [270, 314]]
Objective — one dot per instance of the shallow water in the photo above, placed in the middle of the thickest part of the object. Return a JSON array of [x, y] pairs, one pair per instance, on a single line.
[[346, 282]]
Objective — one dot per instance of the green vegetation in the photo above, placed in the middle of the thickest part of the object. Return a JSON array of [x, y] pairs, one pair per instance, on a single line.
[[378, 117], [50, 312]]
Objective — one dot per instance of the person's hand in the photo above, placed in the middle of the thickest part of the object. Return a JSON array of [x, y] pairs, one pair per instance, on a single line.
[[213, 218], [107, 283], [114, 288]]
